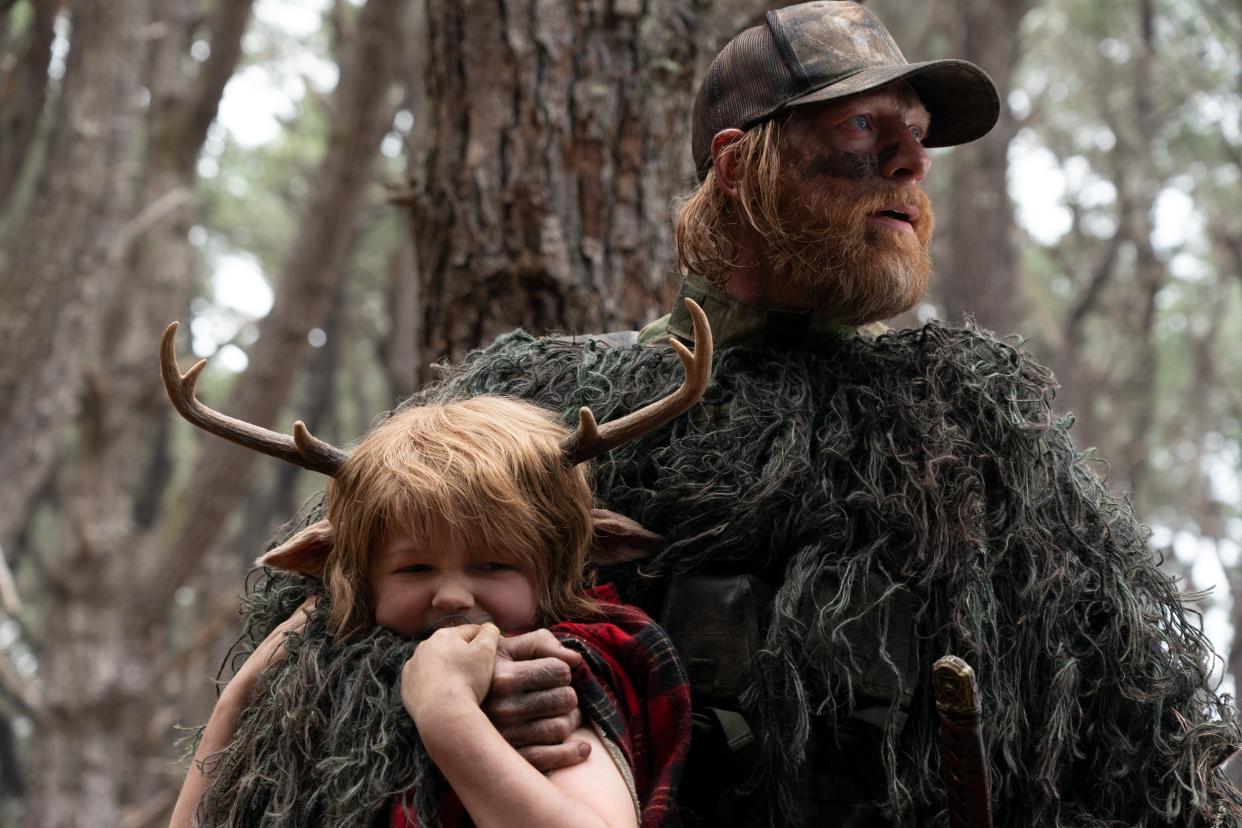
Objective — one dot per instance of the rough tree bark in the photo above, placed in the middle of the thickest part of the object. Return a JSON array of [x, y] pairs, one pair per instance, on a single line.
[[560, 137], [980, 274]]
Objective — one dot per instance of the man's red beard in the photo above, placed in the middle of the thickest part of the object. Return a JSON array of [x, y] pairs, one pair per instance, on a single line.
[[838, 260]]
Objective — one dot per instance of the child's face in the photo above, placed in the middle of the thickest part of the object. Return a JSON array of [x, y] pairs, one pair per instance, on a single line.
[[416, 588]]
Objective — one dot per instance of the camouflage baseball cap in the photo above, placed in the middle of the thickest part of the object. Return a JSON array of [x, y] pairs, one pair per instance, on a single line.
[[826, 50]]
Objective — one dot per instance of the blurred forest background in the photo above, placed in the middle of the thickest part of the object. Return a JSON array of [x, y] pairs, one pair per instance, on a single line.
[[333, 194]]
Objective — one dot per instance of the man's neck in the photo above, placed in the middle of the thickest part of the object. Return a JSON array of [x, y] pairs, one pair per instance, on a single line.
[[738, 323], [747, 282]]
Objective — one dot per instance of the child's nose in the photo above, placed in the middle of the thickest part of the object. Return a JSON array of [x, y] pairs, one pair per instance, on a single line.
[[453, 594]]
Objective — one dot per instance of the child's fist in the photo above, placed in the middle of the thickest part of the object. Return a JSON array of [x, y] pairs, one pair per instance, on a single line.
[[453, 666]]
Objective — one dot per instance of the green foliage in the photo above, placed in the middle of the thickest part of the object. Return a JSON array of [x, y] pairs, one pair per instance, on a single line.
[[16, 21]]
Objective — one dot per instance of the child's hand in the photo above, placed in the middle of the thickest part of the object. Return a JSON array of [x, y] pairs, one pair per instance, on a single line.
[[453, 666]]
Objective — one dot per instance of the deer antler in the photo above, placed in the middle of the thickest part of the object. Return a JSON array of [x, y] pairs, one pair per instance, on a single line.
[[592, 440], [302, 449]]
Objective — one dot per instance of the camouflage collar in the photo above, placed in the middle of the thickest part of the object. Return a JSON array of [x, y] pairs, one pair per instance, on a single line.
[[736, 324]]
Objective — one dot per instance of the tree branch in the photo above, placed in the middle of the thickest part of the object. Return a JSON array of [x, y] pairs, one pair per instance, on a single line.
[[219, 621], [150, 215], [227, 24], [1101, 274]]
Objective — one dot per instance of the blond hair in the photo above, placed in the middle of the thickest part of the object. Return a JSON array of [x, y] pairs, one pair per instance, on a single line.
[[706, 223], [487, 473], [809, 240]]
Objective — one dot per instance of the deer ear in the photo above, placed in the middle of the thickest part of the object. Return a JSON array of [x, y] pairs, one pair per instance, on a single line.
[[306, 552], [617, 539]]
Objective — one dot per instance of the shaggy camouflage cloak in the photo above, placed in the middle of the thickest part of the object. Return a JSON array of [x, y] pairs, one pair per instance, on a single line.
[[931, 461]]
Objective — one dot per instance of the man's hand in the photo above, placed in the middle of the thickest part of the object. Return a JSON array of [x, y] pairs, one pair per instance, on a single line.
[[531, 702]]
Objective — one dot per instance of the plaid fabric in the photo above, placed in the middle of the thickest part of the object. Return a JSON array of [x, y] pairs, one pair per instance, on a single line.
[[632, 686]]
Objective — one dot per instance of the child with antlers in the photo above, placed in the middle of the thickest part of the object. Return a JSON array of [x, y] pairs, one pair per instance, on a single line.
[[452, 525]]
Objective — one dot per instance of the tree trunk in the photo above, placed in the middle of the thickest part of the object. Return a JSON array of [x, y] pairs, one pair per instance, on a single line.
[[65, 251], [981, 275], [99, 687], [400, 354], [315, 406], [1151, 272], [400, 351], [115, 582], [561, 133], [160, 262], [1233, 766], [23, 91], [93, 675]]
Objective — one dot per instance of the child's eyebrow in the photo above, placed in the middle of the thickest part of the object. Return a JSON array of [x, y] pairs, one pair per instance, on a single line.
[[401, 547]]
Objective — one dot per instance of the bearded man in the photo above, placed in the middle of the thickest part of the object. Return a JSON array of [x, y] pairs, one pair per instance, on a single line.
[[850, 503]]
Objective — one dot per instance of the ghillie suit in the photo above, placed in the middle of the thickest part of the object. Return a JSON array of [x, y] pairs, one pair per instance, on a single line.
[[918, 479], [327, 741], [904, 497]]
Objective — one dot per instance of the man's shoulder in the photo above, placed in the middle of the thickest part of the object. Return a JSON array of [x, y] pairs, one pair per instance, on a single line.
[[654, 330], [519, 346], [966, 344], [609, 339], [546, 370], [521, 340]]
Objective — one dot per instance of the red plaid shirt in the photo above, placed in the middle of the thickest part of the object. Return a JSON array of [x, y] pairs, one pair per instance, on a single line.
[[633, 688]]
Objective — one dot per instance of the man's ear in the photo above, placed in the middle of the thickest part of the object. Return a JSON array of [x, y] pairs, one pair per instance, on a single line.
[[306, 552], [617, 539], [724, 160]]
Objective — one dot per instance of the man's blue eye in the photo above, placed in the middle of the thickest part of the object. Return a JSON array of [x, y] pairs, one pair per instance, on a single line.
[[862, 122], [918, 133]]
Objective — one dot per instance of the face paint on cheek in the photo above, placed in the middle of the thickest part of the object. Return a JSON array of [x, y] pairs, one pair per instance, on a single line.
[[851, 165], [889, 154]]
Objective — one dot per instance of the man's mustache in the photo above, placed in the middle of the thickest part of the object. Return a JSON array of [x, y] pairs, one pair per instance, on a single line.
[[882, 198], [839, 211]]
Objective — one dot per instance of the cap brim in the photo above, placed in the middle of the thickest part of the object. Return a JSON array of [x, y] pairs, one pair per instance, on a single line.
[[960, 97]]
